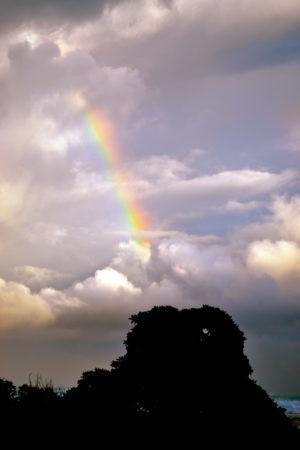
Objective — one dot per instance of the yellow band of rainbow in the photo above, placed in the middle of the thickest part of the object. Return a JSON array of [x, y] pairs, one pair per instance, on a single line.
[[103, 134]]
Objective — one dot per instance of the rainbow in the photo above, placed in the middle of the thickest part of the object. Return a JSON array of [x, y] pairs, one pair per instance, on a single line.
[[104, 136]]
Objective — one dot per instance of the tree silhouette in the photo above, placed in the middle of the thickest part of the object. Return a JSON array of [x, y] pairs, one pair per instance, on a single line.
[[96, 390], [184, 378], [7, 395], [184, 368], [7, 390]]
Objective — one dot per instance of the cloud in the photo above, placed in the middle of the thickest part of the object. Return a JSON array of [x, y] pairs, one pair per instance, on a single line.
[[49, 12], [236, 206], [172, 76], [55, 189], [210, 37], [286, 213], [180, 178], [38, 277], [176, 270], [294, 137], [48, 150], [109, 281], [12, 196], [19, 308], [241, 272], [280, 260], [199, 196]]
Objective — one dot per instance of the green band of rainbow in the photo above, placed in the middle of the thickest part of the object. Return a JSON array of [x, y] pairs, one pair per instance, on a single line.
[[103, 134]]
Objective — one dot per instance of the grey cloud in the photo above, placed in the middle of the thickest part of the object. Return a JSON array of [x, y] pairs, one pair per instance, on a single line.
[[202, 196], [39, 277], [92, 313], [208, 38], [50, 165], [173, 76], [260, 53], [48, 12]]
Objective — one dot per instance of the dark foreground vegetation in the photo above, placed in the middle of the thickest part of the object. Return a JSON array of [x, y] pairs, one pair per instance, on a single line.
[[181, 371]]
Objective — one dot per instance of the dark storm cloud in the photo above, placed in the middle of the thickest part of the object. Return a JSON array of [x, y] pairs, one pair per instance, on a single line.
[[213, 41], [48, 12], [273, 342], [260, 53]]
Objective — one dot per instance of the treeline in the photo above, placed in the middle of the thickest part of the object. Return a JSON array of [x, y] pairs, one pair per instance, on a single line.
[[184, 376]]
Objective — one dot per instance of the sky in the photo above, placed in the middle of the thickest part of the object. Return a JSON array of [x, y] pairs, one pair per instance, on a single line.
[[201, 98]]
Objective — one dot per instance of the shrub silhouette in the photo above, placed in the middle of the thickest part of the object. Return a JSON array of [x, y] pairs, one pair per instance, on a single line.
[[37, 396]]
